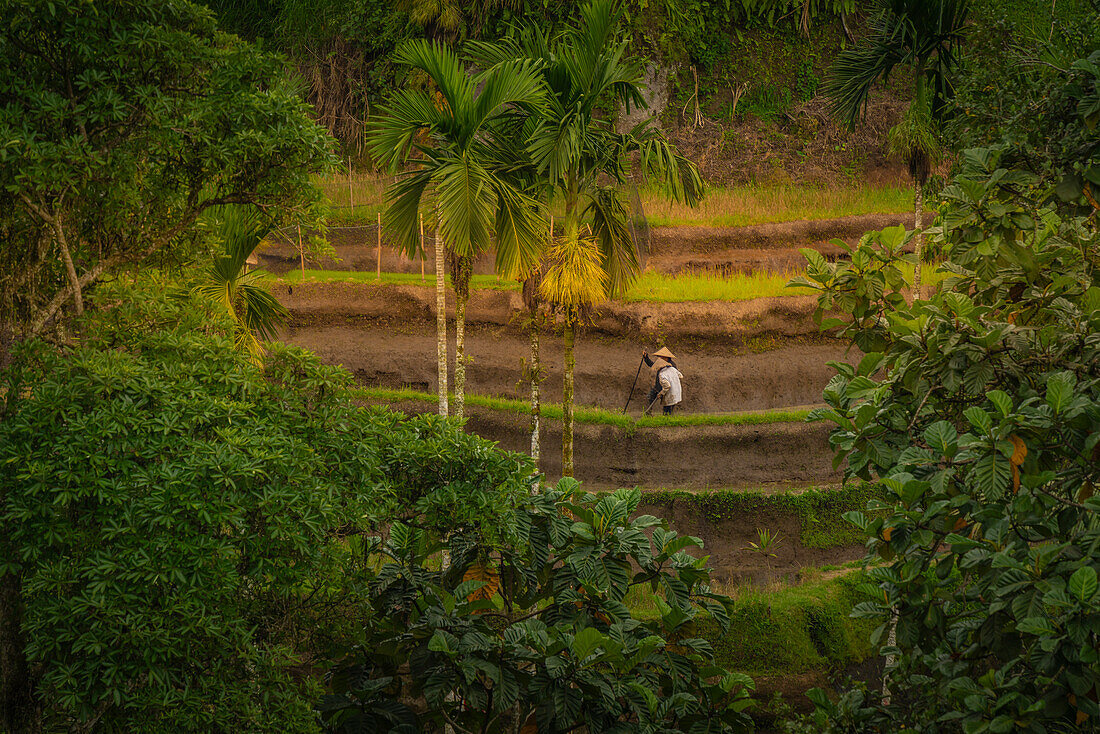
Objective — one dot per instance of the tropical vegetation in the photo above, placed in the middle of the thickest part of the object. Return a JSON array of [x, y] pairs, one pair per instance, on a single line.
[[459, 177], [976, 411], [924, 36]]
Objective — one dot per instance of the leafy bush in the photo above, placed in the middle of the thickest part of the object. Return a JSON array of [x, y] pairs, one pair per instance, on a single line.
[[978, 412], [535, 632], [174, 515]]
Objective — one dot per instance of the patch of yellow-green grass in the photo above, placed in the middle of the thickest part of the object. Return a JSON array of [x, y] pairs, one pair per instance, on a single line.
[[359, 197], [591, 415], [740, 206], [652, 286]]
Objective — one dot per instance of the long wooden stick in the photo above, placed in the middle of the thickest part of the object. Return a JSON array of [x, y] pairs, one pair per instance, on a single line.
[[351, 192], [380, 245], [302, 253], [421, 246]]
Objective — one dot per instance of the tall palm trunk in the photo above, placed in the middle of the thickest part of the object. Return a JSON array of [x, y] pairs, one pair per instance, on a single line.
[[568, 334], [572, 232], [461, 272], [530, 293], [918, 238], [441, 323], [536, 405]]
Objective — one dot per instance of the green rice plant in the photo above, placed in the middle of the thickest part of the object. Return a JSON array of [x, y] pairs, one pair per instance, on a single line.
[[782, 629], [591, 415]]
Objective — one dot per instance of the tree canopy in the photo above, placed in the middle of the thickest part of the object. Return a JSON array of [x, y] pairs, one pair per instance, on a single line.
[[154, 116]]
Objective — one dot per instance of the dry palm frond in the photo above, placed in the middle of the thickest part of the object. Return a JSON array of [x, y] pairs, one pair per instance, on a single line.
[[575, 280]]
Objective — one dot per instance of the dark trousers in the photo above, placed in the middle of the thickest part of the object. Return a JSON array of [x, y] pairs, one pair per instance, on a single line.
[[653, 393]]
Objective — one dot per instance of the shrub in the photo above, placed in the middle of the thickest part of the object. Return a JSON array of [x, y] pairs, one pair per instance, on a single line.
[[535, 632], [175, 516], [978, 412]]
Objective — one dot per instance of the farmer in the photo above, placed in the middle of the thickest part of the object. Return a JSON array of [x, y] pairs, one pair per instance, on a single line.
[[666, 379]]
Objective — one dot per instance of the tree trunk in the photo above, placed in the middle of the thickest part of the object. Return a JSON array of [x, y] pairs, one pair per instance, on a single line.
[[461, 295], [441, 323], [918, 238], [536, 406], [567, 399], [70, 269]]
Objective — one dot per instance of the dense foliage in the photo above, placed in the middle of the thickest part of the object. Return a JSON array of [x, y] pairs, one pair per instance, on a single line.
[[535, 631], [174, 513], [978, 411], [154, 116]]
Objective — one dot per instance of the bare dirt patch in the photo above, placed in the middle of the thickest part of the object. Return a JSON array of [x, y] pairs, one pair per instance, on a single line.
[[751, 355], [688, 457], [716, 378], [727, 543], [763, 247], [671, 250], [733, 324]]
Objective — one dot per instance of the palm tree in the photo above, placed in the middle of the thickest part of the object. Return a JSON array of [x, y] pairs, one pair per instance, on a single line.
[[461, 171], [584, 163], [923, 36], [575, 281], [229, 283]]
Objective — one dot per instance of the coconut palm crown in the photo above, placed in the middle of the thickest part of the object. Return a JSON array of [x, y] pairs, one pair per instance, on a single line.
[[459, 173], [583, 163], [456, 163]]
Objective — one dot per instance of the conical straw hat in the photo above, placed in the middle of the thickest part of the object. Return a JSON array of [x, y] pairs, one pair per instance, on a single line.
[[663, 352]]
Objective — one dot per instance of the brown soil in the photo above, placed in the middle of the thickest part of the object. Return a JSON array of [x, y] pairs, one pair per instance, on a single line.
[[672, 249], [684, 457], [769, 247], [727, 543], [386, 337], [732, 325]]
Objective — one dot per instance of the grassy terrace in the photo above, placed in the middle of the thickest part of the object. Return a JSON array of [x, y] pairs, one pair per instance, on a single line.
[[820, 510], [650, 287], [784, 629], [592, 416], [360, 197]]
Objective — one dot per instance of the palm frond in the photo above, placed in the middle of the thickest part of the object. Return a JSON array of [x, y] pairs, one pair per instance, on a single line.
[[393, 132], [662, 163], [261, 312], [466, 205], [406, 202], [612, 232], [574, 279], [510, 83], [443, 66], [520, 232]]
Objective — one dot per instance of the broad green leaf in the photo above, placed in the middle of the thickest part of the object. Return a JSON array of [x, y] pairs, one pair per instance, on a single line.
[[1083, 584]]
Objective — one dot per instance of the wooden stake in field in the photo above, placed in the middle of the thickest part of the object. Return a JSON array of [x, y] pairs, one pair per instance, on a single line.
[[302, 253], [380, 245], [351, 191], [422, 246]]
